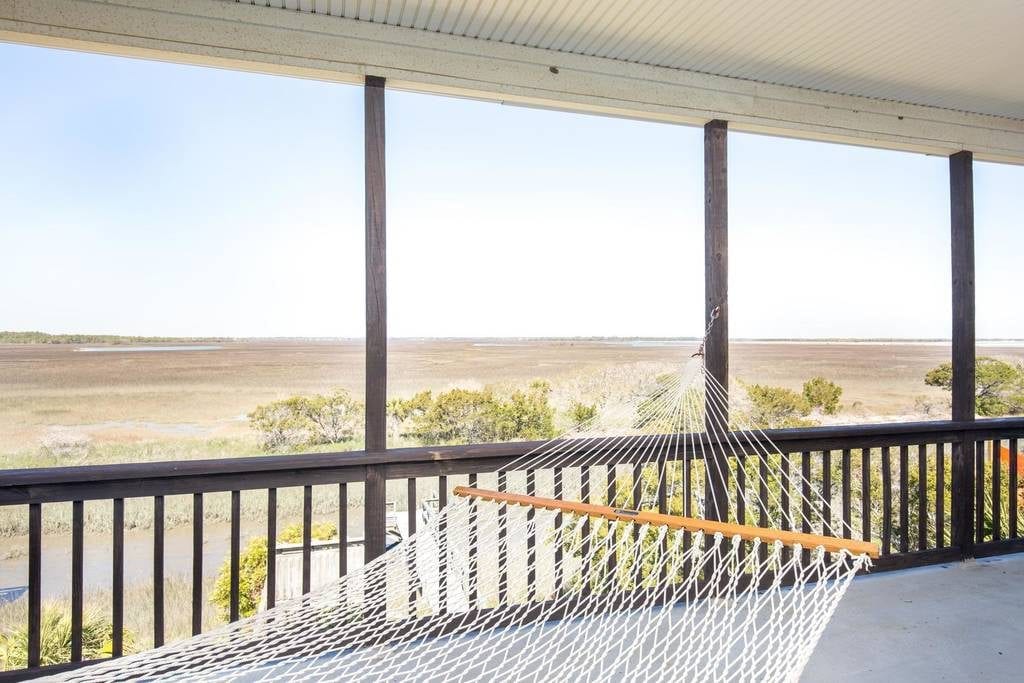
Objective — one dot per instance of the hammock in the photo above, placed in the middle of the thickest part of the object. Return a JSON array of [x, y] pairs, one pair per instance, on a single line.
[[587, 559]]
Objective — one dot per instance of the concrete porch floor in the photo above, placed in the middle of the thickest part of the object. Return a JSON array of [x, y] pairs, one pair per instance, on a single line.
[[950, 622]]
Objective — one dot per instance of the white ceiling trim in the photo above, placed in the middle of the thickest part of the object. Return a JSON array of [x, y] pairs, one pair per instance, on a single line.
[[266, 39]]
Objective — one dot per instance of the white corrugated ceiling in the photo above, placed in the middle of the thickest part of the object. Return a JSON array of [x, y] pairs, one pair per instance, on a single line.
[[954, 54]]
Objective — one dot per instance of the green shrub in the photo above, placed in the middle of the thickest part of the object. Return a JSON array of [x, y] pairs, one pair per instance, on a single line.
[[475, 416], [823, 394], [777, 407], [55, 639], [999, 386], [308, 420], [252, 569], [320, 531], [252, 576]]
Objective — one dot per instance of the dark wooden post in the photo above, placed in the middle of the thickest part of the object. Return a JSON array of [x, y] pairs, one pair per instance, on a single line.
[[376, 314], [716, 296], [961, 200]]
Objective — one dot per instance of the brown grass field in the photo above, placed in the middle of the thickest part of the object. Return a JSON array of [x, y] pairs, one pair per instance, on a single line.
[[136, 400]]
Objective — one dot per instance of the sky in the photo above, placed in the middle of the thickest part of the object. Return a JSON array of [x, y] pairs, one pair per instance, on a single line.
[[157, 199]]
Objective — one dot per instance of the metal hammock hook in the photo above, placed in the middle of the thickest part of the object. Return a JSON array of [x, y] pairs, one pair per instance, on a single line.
[[707, 331]]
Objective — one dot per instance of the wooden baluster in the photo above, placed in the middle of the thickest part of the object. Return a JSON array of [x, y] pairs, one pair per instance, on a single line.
[[117, 580], [158, 571], [35, 580], [531, 538], [637, 500], [474, 524], [271, 582], [886, 501], [865, 494], [77, 576], [502, 543], [904, 499], [940, 495], [197, 563], [979, 491], [343, 526], [826, 493], [786, 522], [805, 502], [557, 579], [235, 553], [442, 540], [741, 498], [1014, 495], [612, 488], [410, 560], [922, 497], [585, 567], [762, 502], [307, 538], [663, 509], [847, 497], [997, 492]]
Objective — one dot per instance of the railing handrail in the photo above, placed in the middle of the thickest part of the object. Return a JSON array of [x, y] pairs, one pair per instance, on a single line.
[[81, 482]]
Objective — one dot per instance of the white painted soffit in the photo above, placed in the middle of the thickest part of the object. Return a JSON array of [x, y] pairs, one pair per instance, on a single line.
[[932, 76]]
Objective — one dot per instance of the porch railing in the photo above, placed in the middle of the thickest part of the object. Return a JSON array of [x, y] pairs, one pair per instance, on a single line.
[[901, 485]]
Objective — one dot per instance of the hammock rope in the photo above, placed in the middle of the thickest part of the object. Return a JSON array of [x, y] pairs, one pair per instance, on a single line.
[[561, 568]]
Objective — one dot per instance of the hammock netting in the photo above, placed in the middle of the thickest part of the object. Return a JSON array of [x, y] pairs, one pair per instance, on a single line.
[[494, 591]]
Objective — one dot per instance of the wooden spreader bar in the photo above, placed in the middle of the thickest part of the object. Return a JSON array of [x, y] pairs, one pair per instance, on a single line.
[[745, 532]]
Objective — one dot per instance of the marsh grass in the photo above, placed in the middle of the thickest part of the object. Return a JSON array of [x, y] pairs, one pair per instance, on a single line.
[[97, 628]]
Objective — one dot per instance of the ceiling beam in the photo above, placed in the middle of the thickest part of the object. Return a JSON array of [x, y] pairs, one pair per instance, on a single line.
[[226, 34]]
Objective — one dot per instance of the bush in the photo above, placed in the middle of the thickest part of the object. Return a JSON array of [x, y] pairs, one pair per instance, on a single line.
[[55, 639], [320, 531], [252, 576], [777, 407], [999, 386], [252, 569], [475, 416], [823, 394], [308, 420]]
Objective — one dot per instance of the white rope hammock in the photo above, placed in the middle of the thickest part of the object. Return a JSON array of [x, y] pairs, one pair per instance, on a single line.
[[491, 590]]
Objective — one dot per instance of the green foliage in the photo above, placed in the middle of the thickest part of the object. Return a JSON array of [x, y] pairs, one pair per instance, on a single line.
[[471, 416], [582, 413], [252, 569], [320, 531], [301, 421], [999, 386], [823, 394], [55, 639], [252, 575], [777, 407]]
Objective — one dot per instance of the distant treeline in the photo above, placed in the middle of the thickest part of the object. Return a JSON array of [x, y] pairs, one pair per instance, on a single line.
[[7, 337]]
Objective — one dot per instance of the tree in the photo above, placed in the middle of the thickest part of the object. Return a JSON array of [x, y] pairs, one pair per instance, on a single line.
[[823, 394], [777, 407], [999, 386]]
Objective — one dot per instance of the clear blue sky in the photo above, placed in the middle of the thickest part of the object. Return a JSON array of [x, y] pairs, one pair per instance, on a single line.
[[149, 198]]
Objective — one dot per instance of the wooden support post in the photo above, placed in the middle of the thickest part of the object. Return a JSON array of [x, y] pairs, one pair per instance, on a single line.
[[716, 296], [376, 314], [961, 198]]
